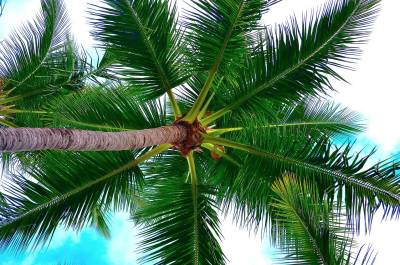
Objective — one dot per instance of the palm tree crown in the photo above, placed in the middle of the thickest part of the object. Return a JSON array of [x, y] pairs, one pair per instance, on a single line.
[[180, 119]]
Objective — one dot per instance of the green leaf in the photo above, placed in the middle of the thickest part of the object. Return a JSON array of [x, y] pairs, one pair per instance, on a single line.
[[294, 151], [101, 221], [66, 70], [265, 85], [220, 31], [305, 228], [62, 184], [109, 107], [174, 237], [145, 37], [323, 118], [8, 123], [25, 53], [221, 86], [316, 117], [296, 60], [189, 92]]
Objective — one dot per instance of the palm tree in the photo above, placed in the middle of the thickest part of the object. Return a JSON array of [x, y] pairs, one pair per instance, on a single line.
[[208, 113]]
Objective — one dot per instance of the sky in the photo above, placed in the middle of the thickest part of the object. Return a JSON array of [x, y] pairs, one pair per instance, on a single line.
[[372, 90]]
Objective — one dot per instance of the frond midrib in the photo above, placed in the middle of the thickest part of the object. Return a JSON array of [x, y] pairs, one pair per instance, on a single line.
[[308, 57], [336, 174], [192, 170], [345, 178], [167, 86], [56, 200], [43, 59], [341, 176], [227, 38], [207, 85], [150, 47], [280, 125], [308, 232], [221, 112], [151, 153]]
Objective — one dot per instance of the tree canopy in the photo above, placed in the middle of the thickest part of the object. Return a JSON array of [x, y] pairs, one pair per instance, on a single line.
[[262, 140]]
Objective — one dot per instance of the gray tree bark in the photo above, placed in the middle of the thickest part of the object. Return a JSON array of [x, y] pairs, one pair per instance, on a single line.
[[29, 139]]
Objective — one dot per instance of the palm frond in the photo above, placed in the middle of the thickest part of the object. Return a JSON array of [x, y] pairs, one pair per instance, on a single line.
[[66, 70], [27, 50], [63, 189], [175, 238], [63, 69], [333, 167], [189, 92], [145, 37], [298, 59], [307, 229], [100, 220], [1, 7], [264, 83], [220, 31], [323, 116], [367, 258], [109, 107], [304, 227], [317, 117]]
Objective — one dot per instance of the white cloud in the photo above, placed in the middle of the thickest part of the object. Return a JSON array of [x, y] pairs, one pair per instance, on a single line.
[[120, 249], [243, 247], [30, 259], [61, 236]]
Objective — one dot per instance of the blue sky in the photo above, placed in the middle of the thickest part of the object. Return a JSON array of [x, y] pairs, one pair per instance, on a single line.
[[374, 91], [86, 247]]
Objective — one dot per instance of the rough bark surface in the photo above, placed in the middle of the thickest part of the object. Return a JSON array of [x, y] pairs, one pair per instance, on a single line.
[[28, 139]]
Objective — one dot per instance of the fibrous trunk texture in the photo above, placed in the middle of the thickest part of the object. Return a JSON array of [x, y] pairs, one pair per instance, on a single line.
[[28, 139]]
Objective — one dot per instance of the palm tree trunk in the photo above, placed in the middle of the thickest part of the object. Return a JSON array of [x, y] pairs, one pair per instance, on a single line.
[[28, 139]]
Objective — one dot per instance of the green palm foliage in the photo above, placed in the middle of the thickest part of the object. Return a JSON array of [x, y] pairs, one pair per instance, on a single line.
[[304, 222], [269, 148]]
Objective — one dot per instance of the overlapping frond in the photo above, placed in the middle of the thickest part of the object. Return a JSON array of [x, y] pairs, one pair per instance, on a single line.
[[220, 31], [68, 69], [109, 107], [323, 117], [175, 238], [305, 227], [298, 59], [48, 63], [65, 189], [25, 53], [279, 151], [315, 117], [189, 92], [169, 164], [222, 85], [100, 219], [145, 37], [218, 36]]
